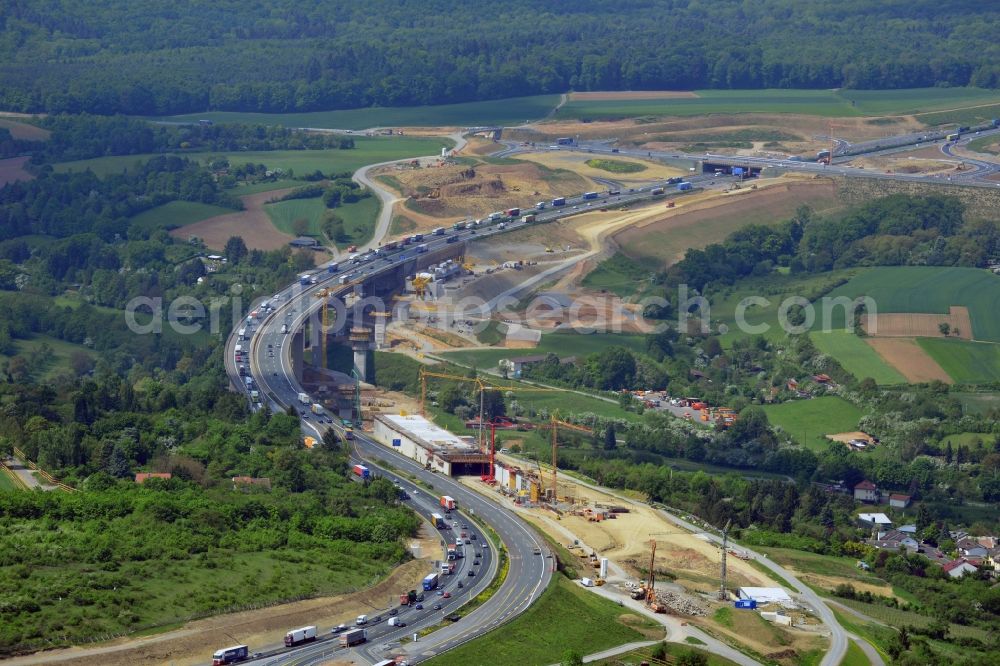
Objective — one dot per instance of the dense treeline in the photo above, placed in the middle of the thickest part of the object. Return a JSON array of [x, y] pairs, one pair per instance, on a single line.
[[149, 58], [78, 137], [892, 231], [63, 204]]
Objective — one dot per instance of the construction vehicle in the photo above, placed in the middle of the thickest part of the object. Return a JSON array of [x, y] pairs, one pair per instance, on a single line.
[[652, 602]]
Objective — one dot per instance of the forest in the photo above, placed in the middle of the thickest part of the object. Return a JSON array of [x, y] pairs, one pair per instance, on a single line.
[[149, 58]]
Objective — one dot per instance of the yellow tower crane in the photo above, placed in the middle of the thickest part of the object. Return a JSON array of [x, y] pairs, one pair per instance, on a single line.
[[554, 424], [324, 294]]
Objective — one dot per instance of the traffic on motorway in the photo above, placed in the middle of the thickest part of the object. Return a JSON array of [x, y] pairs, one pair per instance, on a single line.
[[469, 569]]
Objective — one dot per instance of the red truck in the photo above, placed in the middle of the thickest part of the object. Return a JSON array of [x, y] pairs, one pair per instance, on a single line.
[[362, 471], [447, 503]]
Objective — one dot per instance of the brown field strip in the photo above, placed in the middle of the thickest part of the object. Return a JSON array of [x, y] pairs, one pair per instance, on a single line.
[[12, 170], [910, 359], [252, 224], [920, 325]]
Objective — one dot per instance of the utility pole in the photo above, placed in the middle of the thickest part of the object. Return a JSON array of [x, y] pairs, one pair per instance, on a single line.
[[725, 545]]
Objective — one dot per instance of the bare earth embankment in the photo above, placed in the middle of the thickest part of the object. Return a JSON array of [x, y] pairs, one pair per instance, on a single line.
[[910, 359]]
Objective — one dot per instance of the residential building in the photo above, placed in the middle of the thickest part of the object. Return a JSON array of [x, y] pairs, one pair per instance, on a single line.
[[899, 501], [878, 520], [142, 476], [960, 567], [866, 491]]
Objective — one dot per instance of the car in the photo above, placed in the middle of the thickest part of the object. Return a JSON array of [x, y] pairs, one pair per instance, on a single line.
[[475, 563], [420, 596], [377, 618], [418, 607], [400, 624], [437, 606], [269, 345], [468, 542], [446, 595], [472, 536], [464, 526], [460, 584], [471, 573], [394, 612], [339, 629], [440, 593], [485, 545]]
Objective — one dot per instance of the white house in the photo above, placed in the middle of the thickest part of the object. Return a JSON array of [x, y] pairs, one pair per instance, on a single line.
[[960, 567]]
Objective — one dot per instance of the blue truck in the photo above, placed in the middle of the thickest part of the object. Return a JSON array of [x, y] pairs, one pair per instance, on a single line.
[[748, 604], [559, 201], [684, 186], [431, 581], [590, 195]]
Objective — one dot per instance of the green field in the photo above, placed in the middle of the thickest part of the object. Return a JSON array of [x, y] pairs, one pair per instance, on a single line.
[[969, 439], [965, 362], [367, 150], [978, 403], [284, 214], [931, 290], [856, 356], [618, 275], [515, 110], [807, 421], [961, 116], [6, 483], [674, 651], [567, 616], [176, 214], [986, 144], [616, 166], [559, 343], [855, 656], [47, 356], [828, 103], [822, 565]]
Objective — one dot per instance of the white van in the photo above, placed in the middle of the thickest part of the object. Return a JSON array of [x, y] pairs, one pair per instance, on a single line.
[[395, 622], [362, 619]]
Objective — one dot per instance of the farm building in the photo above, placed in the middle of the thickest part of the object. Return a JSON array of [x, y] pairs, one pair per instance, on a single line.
[[767, 595], [304, 241]]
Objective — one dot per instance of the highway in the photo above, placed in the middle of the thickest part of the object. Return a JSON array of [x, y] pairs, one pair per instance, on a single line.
[[270, 367]]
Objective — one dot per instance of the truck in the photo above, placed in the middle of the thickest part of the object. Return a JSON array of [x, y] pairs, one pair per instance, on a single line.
[[353, 637], [587, 582], [238, 350], [458, 226], [304, 398], [749, 604], [408, 598], [564, 141], [452, 555], [528, 219], [243, 333], [362, 472], [439, 231], [952, 137], [438, 520], [422, 248], [300, 636], [332, 268], [316, 408], [590, 195], [559, 201], [230, 655], [349, 434], [513, 212], [242, 369], [822, 154], [447, 568], [284, 329], [684, 186], [452, 239], [431, 581], [657, 191], [304, 279], [495, 216], [447, 503]]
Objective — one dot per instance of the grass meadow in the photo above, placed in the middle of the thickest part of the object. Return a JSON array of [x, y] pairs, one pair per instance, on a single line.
[[808, 421]]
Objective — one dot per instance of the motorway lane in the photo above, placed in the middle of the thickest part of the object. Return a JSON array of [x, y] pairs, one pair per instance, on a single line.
[[381, 633]]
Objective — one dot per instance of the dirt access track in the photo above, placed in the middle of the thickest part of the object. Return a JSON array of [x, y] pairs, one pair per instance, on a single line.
[[910, 359], [195, 641], [633, 94]]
